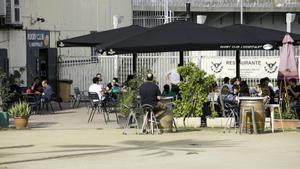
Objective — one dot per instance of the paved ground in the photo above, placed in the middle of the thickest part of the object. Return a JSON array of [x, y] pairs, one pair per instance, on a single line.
[[66, 140]]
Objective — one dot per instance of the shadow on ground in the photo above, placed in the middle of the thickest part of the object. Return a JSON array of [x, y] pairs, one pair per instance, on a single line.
[[142, 148], [41, 124]]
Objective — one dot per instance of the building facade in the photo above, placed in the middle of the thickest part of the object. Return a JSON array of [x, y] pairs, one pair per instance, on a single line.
[[29, 31]]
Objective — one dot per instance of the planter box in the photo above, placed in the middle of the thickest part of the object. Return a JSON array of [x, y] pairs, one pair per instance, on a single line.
[[4, 120], [287, 124], [220, 122], [189, 122]]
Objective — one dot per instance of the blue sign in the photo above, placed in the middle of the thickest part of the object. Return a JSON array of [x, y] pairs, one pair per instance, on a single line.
[[38, 39]]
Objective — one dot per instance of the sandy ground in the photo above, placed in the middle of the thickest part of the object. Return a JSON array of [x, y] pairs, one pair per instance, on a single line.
[[65, 140]]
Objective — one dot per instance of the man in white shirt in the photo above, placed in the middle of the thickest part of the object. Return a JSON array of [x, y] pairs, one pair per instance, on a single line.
[[96, 87], [174, 78]]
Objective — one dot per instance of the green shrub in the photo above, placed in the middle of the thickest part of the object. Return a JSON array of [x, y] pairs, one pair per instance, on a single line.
[[194, 89], [20, 109]]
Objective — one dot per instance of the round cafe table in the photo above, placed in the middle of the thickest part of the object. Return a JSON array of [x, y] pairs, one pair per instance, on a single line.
[[259, 111]]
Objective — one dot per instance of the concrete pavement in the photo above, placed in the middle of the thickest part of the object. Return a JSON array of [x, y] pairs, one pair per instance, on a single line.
[[66, 140]]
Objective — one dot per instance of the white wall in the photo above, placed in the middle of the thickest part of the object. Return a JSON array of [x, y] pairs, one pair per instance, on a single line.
[[64, 19], [71, 18], [109, 8]]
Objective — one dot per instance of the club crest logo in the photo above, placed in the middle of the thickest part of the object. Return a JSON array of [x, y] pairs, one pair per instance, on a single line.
[[271, 67], [216, 67]]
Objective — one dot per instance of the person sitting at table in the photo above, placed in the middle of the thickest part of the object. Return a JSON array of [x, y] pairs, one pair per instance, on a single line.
[[37, 86], [244, 89], [16, 91], [150, 94], [46, 95], [262, 91], [266, 88], [226, 82], [294, 92], [95, 87], [229, 99], [167, 92]]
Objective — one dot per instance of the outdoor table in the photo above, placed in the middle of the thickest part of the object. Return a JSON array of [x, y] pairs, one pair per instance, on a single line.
[[259, 110], [169, 98]]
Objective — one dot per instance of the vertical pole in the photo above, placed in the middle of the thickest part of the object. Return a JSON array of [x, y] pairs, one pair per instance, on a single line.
[[181, 58], [134, 62], [237, 63], [242, 15], [188, 11], [166, 11], [97, 17]]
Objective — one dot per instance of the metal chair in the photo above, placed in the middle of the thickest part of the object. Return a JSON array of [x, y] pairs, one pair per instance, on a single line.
[[108, 106], [53, 98], [233, 114], [131, 120], [95, 105], [79, 97], [149, 119], [33, 102]]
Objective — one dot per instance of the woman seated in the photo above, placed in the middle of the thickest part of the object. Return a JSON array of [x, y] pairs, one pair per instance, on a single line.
[[263, 91], [244, 89], [37, 86], [113, 88], [229, 100]]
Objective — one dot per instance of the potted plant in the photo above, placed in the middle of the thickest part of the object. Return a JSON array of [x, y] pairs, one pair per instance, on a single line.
[[194, 89], [20, 111], [288, 113]]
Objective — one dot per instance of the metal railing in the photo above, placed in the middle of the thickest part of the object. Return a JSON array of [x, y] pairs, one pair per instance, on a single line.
[[175, 4], [82, 69]]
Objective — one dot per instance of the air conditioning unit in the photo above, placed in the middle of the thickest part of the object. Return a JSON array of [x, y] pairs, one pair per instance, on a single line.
[[2, 8], [13, 12]]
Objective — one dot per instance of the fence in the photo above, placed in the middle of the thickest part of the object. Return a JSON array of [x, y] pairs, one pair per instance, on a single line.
[[82, 69], [158, 4]]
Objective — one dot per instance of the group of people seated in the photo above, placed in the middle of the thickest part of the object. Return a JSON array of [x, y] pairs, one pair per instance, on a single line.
[[40, 89], [228, 94], [108, 93], [149, 91]]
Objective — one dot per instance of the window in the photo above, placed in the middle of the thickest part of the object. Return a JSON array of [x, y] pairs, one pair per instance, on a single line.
[[17, 14], [17, 2]]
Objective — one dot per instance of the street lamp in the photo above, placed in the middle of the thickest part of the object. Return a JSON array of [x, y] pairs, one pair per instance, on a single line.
[[290, 17]]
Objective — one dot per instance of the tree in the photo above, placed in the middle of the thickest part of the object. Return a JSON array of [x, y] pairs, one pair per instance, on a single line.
[[194, 89]]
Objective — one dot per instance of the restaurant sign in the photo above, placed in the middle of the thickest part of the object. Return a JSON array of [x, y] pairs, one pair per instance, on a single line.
[[38, 39], [250, 67]]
